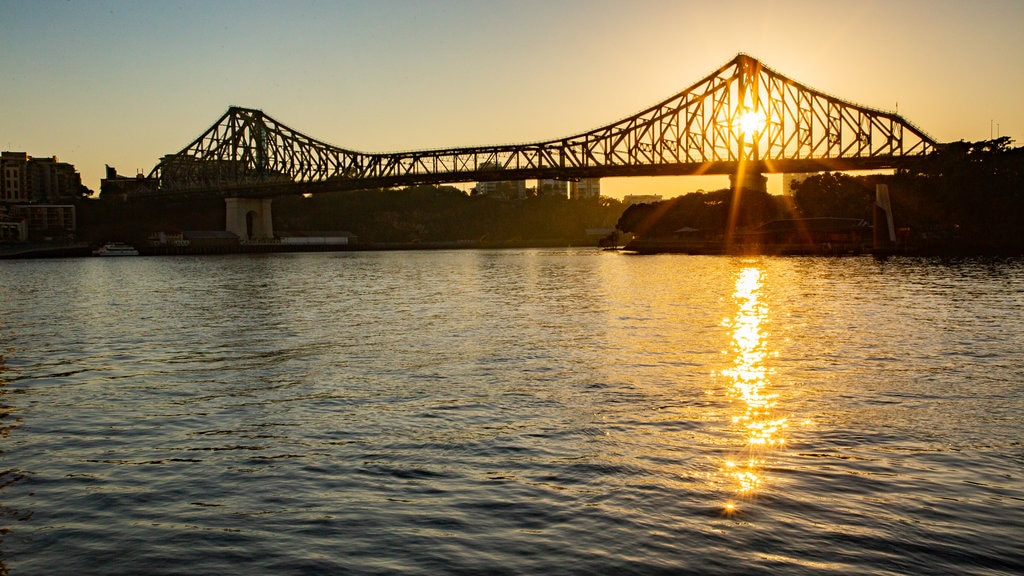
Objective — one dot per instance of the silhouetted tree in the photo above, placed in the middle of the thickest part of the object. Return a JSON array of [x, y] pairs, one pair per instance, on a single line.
[[970, 194], [706, 212], [834, 195]]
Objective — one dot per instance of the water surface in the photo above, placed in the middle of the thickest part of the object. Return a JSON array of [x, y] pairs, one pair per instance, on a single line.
[[511, 412]]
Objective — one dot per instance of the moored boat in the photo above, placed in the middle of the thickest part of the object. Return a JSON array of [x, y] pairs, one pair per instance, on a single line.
[[116, 249]]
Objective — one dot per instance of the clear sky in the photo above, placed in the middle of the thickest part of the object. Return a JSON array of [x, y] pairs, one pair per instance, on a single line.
[[124, 82]]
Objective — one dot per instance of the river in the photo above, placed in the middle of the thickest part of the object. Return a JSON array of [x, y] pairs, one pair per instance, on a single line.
[[542, 411]]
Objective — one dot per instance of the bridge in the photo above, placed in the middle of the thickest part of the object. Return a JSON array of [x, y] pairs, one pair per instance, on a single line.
[[743, 118]]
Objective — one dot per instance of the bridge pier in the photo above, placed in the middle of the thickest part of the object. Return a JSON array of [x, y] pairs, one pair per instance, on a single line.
[[884, 230], [749, 180], [249, 218]]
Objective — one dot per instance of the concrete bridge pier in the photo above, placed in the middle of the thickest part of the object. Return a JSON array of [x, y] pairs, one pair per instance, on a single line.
[[249, 218], [884, 230], [749, 179]]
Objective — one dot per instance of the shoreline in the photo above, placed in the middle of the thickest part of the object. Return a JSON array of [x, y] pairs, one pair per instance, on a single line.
[[639, 248]]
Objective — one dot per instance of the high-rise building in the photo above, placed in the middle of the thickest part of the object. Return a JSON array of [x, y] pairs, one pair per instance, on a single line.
[[553, 188], [585, 189], [13, 177], [508, 189], [27, 179]]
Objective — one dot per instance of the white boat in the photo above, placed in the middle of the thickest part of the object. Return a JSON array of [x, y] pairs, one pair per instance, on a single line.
[[116, 249]]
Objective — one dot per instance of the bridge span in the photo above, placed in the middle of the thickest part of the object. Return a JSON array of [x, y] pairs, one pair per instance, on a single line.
[[743, 118]]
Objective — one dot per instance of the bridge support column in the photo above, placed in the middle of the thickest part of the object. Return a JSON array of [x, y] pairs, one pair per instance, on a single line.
[[749, 180], [249, 218], [884, 231]]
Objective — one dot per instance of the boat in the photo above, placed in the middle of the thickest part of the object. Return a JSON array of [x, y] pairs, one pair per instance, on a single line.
[[116, 249]]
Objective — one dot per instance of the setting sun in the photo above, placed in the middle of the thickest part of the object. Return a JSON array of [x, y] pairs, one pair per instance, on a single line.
[[751, 122]]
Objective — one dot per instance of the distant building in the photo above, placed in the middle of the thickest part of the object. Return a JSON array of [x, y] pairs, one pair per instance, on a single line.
[[317, 238], [632, 199], [12, 228], [508, 189], [44, 221], [585, 189], [14, 168], [46, 180], [553, 188], [802, 235], [121, 187]]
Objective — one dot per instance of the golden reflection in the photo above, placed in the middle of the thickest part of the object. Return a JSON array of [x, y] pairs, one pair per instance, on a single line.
[[748, 390]]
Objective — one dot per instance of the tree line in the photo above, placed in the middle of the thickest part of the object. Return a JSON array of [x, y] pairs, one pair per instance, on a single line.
[[418, 214], [447, 214], [965, 197]]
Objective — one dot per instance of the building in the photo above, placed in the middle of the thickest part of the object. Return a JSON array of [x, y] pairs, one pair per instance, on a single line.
[[810, 235], [585, 189], [632, 199], [507, 189], [14, 174], [553, 188], [44, 221], [12, 228], [43, 180], [115, 186]]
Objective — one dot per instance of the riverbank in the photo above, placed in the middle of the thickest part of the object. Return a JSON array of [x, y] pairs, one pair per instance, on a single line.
[[69, 250], [23, 251], [711, 248], [639, 247]]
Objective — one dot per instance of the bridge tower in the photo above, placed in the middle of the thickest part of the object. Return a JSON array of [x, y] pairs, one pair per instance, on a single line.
[[249, 218], [749, 120]]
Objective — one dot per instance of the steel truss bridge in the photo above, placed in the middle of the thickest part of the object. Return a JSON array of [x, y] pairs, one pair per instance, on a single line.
[[742, 118]]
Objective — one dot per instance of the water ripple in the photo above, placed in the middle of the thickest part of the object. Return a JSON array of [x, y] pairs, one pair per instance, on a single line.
[[511, 412]]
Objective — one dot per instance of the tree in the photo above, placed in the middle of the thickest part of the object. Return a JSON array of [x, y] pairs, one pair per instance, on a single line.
[[834, 195], [972, 194], [707, 212]]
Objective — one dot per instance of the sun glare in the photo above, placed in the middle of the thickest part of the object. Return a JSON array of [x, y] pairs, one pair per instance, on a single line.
[[751, 123]]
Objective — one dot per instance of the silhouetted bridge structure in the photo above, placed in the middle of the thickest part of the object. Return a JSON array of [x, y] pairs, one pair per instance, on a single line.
[[743, 118]]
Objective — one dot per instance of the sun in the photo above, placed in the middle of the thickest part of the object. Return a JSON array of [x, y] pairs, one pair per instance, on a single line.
[[751, 122]]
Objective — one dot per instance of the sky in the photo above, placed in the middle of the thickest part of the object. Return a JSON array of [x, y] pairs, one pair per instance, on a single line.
[[123, 83]]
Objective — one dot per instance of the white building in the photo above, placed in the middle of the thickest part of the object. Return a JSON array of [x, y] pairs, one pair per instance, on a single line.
[[508, 189]]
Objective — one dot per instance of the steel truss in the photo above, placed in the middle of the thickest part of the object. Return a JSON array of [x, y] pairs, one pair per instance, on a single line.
[[742, 117]]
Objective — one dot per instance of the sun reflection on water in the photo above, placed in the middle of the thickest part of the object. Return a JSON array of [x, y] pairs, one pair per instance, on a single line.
[[755, 404]]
